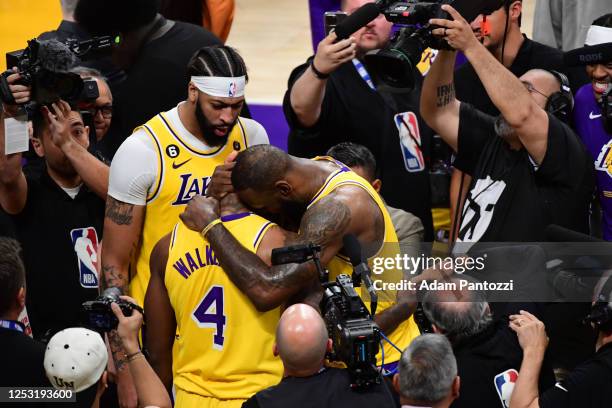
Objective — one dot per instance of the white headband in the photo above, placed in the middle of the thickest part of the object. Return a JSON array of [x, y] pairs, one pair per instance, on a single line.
[[223, 87], [598, 35]]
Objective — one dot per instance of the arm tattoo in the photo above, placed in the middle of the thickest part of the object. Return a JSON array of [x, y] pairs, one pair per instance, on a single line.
[[446, 93], [117, 349], [328, 218], [322, 224], [114, 278], [119, 212]]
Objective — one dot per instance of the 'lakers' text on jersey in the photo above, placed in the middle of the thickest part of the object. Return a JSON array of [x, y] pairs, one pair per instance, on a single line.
[[183, 172], [407, 330], [224, 350]]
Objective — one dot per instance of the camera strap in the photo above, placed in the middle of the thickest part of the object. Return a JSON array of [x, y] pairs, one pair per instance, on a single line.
[[12, 325]]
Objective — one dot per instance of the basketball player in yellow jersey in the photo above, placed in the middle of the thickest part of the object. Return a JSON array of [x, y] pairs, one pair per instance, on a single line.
[[224, 352], [336, 202], [163, 164]]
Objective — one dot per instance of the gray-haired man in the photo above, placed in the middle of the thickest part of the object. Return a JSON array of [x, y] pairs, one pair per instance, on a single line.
[[427, 373], [487, 351]]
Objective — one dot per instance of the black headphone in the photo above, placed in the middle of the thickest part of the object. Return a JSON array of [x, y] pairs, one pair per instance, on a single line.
[[601, 311], [561, 103]]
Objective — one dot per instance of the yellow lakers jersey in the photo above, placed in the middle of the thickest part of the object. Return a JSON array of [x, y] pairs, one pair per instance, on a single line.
[[225, 345], [407, 330], [183, 172]]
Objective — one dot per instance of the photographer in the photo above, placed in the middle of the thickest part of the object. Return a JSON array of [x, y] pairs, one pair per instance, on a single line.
[[588, 385], [487, 351], [592, 126], [529, 169], [301, 343], [149, 388], [332, 99], [58, 214]]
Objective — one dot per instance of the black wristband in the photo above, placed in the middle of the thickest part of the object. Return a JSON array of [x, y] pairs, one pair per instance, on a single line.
[[317, 73]]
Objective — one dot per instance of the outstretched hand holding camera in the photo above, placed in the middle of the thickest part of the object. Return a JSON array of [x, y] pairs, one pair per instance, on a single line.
[[149, 388], [457, 32], [128, 327], [330, 54], [21, 93]]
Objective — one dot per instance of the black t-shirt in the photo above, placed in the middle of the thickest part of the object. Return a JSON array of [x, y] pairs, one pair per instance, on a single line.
[[157, 81], [354, 112], [531, 54], [509, 200], [59, 236], [587, 386], [488, 364], [329, 388]]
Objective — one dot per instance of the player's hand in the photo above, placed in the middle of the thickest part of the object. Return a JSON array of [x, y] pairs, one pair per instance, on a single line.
[[59, 125], [457, 32], [221, 180], [200, 212], [530, 331], [128, 327], [331, 55]]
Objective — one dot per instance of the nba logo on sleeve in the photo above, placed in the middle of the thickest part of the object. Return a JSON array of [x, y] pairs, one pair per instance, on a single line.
[[504, 384], [410, 141], [85, 242]]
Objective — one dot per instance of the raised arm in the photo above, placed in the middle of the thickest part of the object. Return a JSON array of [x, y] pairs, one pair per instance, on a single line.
[[268, 287], [13, 184], [308, 90], [64, 134], [506, 91], [161, 326], [439, 106]]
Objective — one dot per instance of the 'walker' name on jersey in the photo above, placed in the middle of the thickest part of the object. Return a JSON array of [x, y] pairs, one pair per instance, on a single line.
[[194, 260], [190, 187]]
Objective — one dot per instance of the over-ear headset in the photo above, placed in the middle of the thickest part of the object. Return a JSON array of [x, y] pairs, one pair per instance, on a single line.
[[561, 103], [601, 312]]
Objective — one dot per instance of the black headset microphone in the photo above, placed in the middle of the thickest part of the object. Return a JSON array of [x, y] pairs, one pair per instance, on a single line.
[[361, 270]]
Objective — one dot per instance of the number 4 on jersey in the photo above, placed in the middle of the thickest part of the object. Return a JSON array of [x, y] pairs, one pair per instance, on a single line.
[[209, 314]]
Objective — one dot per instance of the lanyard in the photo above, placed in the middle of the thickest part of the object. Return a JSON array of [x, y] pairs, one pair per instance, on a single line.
[[12, 325], [363, 72]]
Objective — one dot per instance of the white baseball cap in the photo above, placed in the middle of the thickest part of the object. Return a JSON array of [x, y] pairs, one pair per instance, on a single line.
[[75, 359]]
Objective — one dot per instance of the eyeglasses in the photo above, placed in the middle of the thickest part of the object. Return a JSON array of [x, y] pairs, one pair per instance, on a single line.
[[106, 110], [531, 89]]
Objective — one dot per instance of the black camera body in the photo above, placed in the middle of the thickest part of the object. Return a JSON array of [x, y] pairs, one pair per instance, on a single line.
[[98, 315], [394, 67], [46, 65], [355, 336]]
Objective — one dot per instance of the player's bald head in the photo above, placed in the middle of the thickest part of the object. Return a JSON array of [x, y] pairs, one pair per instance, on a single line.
[[259, 167], [301, 338]]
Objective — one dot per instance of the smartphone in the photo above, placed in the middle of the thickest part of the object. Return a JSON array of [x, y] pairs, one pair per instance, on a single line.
[[332, 19]]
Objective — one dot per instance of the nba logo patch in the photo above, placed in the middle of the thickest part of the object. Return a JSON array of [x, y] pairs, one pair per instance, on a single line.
[[232, 89], [504, 384], [410, 141], [85, 243]]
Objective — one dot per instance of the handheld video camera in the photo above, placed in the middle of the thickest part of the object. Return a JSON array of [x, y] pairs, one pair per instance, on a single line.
[[355, 336], [394, 66], [46, 65], [98, 315]]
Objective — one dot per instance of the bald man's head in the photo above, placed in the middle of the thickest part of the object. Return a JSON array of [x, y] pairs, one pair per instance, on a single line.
[[301, 340]]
